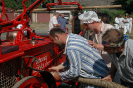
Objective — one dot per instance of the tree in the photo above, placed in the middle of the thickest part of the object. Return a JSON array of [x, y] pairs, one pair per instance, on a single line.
[[17, 4], [10, 4], [126, 5], [45, 3]]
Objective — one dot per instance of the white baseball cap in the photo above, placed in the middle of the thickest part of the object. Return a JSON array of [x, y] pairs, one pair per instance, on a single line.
[[89, 17]]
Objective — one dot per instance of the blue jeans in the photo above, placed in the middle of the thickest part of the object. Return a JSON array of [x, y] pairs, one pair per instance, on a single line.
[[129, 85]]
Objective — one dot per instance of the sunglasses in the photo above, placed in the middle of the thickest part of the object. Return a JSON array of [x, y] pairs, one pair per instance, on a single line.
[[112, 45]]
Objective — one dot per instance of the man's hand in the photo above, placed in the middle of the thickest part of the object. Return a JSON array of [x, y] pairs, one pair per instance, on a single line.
[[57, 77], [91, 43], [59, 25], [108, 78], [94, 45], [54, 69]]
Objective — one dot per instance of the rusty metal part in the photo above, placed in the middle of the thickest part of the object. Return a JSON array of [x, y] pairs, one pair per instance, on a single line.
[[11, 36], [33, 41]]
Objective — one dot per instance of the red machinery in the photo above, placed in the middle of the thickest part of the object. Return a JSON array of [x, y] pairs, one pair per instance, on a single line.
[[25, 59], [63, 3]]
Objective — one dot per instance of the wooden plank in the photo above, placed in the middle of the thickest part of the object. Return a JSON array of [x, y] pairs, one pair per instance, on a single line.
[[71, 8]]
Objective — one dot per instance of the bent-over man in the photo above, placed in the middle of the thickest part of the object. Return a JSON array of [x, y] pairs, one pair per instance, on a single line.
[[81, 59]]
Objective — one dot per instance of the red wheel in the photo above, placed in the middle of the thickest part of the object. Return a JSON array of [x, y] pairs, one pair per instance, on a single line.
[[31, 82]]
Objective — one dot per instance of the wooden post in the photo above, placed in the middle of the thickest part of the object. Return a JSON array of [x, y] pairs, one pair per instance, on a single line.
[[71, 8]]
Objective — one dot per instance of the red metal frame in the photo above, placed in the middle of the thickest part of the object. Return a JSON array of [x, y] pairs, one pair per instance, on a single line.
[[63, 3], [3, 10], [45, 51]]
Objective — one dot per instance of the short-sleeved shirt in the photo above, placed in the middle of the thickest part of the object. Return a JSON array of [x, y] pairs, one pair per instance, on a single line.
[[124, 63], [130, 20], [121, 20], [82, 60], [126, 20], [117, 20], [63, 22], [97, 38], [52, 21]]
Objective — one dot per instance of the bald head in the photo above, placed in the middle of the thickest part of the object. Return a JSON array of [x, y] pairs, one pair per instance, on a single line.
[[54, 31]]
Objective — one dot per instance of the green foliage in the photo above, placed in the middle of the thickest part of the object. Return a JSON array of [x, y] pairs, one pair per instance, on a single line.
[[126, 5], [10, 4], [45, 2], [17, 4], [83, 5], [113, 13]]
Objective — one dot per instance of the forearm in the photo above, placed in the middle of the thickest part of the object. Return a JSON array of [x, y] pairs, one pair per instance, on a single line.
[[74, 67], [60, 67], [57, 25], [112, 70], [100, 47]]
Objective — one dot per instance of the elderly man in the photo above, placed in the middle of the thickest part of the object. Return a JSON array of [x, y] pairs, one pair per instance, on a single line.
[[121, 52], [81, 59], [53, 21]]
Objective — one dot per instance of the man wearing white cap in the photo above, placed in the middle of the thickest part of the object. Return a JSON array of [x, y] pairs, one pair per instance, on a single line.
[[93, 23]]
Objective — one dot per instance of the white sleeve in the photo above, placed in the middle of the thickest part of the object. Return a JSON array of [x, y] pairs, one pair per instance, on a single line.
[[55, 21]]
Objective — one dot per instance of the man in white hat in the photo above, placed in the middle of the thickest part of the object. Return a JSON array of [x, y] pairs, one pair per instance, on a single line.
[[93, 23]]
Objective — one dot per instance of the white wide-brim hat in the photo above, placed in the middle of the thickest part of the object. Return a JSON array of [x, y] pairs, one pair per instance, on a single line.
[[89, 17]]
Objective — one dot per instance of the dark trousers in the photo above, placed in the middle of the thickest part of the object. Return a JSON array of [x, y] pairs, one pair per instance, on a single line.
[[129, 85]]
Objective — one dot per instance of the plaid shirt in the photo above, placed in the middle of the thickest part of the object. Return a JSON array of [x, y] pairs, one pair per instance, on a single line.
[[82, 60]]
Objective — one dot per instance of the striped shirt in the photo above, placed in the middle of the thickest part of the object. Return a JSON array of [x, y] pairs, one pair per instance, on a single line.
[[82, 60]]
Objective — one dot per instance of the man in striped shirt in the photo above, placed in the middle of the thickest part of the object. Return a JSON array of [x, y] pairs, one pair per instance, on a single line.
[[81, 59]]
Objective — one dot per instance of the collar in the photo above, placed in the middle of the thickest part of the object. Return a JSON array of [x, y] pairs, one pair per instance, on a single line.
[[55, 17], [102, 27], [66, 44], [125, 49]]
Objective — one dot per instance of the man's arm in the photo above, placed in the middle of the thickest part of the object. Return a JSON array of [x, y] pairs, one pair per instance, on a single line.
[[94, 45], [57, 25], [111, 74], [55, 72], [57, 68], [74, 66]]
